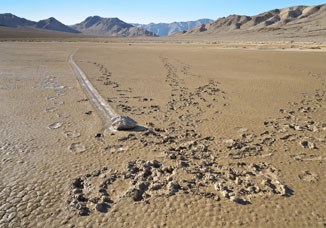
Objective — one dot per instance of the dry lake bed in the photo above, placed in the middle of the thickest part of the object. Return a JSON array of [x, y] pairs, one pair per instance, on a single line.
[[226, 136]]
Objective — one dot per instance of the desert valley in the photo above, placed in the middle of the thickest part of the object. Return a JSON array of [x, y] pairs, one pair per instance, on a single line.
[[229, 131]]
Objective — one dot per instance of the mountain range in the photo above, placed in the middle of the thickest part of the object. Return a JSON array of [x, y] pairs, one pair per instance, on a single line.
[[291, 22], [165, 29], [308, 21], [99, 26], [53, 24], [96, 26], [109, 27], [10, 20]]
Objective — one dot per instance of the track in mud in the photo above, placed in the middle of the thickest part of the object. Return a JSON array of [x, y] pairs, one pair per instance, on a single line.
[[192, 166], [104, 109]]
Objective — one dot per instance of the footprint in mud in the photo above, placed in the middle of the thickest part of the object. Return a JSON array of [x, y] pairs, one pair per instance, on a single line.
[[241, 130], [142, 180], [60, 90], [63, 115], [50, 83], [82, 100], [72, 134], [52, 109], [308, 157], [308, 176], [55, 125], [51, 98], [77, 147], [116, 148], [58, 102], [61, 94]]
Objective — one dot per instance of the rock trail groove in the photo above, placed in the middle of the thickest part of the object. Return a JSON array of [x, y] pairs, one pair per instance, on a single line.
[[105, 111]]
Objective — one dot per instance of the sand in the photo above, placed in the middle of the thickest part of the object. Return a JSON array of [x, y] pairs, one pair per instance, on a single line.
[[228, 136]]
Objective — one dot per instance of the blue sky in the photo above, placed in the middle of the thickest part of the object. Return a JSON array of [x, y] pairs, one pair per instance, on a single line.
[[141, 11]]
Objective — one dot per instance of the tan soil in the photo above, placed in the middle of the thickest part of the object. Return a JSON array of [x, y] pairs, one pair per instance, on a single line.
[[231, 137]]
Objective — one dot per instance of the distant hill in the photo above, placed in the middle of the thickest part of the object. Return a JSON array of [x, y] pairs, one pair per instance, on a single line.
[[55, 25], [99, 26], [292, 21], [12, 21], [299, 22], [165, 29]]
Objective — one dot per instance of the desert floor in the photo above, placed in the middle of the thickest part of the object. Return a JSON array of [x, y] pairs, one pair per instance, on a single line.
[[227, 136]]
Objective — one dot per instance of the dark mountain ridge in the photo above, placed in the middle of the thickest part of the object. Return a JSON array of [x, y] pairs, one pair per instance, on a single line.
[[290, 21], [100, 26], [10, 20]]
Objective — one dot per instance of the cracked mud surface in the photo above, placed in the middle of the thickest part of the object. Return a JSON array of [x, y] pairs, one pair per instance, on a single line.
[[208, 147]]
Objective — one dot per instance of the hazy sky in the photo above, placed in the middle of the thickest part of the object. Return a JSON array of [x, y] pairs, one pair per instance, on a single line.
[[141, 11]]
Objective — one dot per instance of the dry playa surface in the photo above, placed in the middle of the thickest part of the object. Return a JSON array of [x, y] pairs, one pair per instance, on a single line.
[[226, 137]]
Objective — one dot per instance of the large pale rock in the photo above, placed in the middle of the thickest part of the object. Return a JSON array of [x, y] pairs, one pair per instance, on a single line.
[[122, 123]]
